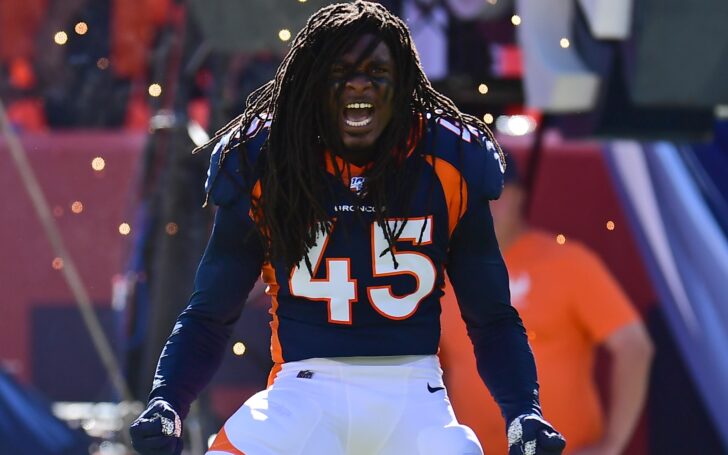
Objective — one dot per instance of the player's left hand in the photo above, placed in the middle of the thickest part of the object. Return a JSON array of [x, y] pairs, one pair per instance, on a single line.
[[530, 434]]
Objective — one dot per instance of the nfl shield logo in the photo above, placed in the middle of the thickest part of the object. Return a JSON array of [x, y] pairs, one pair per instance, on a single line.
[[357, 184]]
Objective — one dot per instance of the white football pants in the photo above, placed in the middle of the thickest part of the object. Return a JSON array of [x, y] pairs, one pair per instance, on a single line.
[[350, 406]]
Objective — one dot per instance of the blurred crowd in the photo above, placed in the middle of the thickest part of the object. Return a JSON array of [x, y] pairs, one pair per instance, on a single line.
[[109, 63], [77, 63]]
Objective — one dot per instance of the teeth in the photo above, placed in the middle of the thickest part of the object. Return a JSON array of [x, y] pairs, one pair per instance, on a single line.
[[359, 123], [359, 106], [364, 122]]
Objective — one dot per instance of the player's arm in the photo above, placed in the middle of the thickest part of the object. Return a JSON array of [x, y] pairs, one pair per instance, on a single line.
[[503, 357], [229, 268], [480, 280]]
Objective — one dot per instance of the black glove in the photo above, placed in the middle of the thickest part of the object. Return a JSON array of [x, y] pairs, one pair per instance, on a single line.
[[157, 431], [530, 434]]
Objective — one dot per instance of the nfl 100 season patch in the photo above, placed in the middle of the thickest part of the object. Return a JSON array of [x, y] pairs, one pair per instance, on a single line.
[[357, 184]]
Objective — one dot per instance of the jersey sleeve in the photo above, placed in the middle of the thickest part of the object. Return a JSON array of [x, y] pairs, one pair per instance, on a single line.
[[472, 153], [232, 168], [229, 268], [480, 280]]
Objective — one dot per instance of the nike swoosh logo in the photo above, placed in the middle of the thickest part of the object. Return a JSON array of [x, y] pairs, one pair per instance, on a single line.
[[433, 389]]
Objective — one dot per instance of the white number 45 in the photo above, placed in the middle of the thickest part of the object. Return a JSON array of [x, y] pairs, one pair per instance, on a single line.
[[339, 289]]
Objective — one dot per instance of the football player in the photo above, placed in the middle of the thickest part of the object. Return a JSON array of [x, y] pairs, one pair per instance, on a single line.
[[352, 186]]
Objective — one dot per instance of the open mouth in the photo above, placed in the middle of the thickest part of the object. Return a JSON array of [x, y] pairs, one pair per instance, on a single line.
[[358, 115]]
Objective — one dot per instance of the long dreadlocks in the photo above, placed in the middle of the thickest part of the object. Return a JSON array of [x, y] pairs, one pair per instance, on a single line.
[[290, 208]]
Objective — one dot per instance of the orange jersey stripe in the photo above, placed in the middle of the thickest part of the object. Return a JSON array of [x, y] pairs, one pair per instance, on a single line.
[[255, 201], [277, 367], [223, 444], [269, 278], [451, 179]]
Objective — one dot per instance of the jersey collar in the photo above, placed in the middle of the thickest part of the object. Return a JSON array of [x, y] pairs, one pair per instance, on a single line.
[[349, 170]]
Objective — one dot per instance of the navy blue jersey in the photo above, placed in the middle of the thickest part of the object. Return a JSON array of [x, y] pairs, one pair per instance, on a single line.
[[362, 299]]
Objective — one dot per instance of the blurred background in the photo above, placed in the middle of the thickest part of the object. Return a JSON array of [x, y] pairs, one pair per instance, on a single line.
[[616, 111]]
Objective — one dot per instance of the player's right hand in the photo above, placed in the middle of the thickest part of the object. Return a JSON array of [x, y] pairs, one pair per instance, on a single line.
[[157, 431], [530, 434]]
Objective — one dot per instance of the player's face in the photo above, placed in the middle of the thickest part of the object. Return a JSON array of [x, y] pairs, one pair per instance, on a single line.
[[361, 91]]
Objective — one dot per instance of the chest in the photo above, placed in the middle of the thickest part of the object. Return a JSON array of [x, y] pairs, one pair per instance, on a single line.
[[392, 264], [414, 223]]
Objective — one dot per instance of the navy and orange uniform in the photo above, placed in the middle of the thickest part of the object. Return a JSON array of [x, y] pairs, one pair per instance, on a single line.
[[362, 299]]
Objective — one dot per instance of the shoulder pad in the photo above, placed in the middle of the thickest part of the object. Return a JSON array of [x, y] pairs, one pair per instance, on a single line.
[[468, 134], [224, 182], [227, 177], [472, 152], [494, 170]]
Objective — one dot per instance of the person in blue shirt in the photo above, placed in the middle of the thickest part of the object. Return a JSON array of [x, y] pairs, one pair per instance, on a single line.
[[352, 186]]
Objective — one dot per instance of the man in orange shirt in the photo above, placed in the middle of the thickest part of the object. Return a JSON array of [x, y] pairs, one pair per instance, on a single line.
[[570, 305]]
